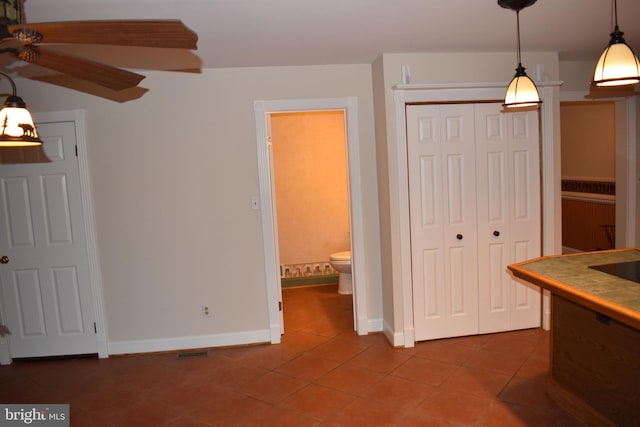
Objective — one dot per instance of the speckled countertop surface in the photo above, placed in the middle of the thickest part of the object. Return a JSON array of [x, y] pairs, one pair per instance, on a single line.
[[571, 275]]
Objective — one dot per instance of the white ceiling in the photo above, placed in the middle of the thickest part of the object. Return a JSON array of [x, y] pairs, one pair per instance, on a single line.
[[234, 33]]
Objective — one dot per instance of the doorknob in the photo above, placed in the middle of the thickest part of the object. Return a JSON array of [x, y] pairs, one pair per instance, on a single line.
[[4, 260], [496, 233], [459, 236]]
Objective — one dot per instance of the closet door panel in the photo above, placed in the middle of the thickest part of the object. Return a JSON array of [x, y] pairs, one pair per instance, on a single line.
[[525, 221], [426, 216], [443, 244], [493, 191]]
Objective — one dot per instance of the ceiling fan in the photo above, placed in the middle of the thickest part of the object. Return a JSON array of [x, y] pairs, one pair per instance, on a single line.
[[27, 42]]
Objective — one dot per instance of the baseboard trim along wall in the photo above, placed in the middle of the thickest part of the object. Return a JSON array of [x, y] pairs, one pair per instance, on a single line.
[[186, 343], [262, 336]]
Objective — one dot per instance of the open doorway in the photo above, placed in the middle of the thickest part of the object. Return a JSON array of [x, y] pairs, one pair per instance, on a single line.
[[588, 175], [263, 111]]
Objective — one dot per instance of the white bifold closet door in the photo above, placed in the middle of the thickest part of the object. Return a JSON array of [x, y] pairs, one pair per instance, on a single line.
[[474, 183]]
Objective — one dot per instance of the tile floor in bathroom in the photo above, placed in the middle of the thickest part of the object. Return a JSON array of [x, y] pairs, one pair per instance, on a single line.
[[322, 374]]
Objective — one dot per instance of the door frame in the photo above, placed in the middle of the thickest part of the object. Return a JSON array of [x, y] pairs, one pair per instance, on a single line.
[[262, 110], [95, 277], [627, 173], [404, 333]]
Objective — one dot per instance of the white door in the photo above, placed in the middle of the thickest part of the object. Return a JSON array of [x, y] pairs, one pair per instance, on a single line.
[[442, 205], [46, 293], [509, 227]]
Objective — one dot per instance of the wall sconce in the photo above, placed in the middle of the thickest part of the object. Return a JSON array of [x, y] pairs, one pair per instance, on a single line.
[[618, 65], [522, 91], [17, 128]]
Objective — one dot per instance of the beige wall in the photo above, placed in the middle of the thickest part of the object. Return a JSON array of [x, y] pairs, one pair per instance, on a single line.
[[310, 172], [173, 174], [588, 140], [174, 171]]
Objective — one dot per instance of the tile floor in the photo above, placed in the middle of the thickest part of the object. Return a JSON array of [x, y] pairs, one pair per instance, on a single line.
[[322, 374]]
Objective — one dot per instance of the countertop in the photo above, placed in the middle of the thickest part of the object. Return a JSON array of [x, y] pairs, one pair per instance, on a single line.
[[569, 276]]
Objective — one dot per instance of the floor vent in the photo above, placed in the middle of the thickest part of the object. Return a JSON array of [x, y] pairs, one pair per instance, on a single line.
[[192, 354]]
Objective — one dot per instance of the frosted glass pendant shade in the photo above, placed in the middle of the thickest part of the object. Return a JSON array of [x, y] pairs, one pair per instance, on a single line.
[[617, 66], [522, 91]]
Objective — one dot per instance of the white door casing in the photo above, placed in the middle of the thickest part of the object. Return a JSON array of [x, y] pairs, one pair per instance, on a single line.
[[51, 296], [267, 202]]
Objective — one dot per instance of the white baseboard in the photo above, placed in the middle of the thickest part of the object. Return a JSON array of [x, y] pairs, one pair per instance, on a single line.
[[374, 325], [5, 355], [185, 343], [396, 339]]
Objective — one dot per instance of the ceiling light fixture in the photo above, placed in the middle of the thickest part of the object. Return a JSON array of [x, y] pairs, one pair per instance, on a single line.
[[522, 91], [618, 65], [17, 128]]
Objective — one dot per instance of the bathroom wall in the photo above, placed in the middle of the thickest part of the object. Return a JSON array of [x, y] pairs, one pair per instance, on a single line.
[[310, 172]]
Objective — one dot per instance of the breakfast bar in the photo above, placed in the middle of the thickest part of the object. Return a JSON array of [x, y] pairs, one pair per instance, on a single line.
[[595, 332]]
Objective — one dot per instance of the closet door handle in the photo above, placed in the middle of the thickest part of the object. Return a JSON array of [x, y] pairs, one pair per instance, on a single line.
[[496, 233], [459, 236]]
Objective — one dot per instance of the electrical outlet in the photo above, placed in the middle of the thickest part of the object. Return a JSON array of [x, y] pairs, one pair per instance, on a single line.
[[206, 311]]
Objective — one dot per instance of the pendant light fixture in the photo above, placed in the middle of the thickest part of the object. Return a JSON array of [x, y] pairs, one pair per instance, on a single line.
[[522, 91], [618, 65], [17, 128]]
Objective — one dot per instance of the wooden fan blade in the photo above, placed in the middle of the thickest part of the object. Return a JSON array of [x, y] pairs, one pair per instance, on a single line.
[[103, 75], [147, 33]]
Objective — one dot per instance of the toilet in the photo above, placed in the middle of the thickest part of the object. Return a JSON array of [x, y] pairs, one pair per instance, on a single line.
[[341, 261]]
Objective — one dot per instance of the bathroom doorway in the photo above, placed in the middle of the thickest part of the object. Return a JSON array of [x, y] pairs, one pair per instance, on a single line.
[[347, 107], [311, 192]]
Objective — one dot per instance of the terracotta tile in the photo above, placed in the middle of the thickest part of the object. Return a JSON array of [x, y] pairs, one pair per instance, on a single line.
[[144, 414], [309, 379], [339, 349], [456, 407], [228, 408], [298, 342], [350, 379], [268, 357], [272, 387], [307, 367], [476, 382], [512, 342], [381, 359], [424, 370], [362, 412], [530, 392], [512, 415], [476, 341], [448, 351], [419, 418], [317, 402], [281, 417], [501, 362], [398, 393], [534, 366], [184, 421]]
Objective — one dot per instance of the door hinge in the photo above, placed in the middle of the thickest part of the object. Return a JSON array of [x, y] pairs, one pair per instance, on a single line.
[[95, 328], [76, 151], [280, 305]]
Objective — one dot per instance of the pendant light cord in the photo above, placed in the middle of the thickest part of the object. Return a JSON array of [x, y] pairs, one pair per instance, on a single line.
[[518, 33]]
